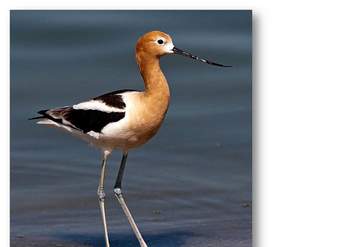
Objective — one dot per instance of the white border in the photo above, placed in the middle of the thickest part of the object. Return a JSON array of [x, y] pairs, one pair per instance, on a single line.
[[296, 114], [4, 150]]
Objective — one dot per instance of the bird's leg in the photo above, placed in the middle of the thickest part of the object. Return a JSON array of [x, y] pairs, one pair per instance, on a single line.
[[118, 193], [101, 197]]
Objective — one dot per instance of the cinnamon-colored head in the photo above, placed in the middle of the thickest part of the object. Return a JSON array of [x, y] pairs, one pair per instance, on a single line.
[[155, 44]]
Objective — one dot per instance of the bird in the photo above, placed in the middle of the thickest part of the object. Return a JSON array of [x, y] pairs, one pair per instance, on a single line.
[[125, 119]]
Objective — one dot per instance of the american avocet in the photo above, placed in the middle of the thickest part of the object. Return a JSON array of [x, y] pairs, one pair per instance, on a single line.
[[123, 119]]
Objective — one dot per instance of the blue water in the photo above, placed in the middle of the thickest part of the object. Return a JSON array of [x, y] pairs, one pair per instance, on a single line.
[[189, 186]]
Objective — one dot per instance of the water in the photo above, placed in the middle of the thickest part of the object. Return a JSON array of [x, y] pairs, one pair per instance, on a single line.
[[189, 186]]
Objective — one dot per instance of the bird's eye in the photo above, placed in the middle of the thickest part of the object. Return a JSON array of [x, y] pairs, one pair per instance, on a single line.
[[160, 41]]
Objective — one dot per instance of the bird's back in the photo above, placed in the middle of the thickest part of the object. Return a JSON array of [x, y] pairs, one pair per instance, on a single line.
[[122, 119]]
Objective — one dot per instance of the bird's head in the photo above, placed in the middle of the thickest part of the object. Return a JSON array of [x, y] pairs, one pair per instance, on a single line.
[[157, 44]]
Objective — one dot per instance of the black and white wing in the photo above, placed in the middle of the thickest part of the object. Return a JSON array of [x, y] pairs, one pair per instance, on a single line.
[[92, 115]]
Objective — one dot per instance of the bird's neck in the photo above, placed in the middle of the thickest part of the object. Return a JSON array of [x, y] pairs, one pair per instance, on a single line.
[[155, 82]]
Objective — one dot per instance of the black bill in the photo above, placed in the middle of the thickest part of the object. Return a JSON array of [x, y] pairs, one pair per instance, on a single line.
[[187, 54]]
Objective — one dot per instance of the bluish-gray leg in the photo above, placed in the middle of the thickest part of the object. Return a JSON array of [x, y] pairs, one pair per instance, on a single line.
[[101, 197], [118, 193]]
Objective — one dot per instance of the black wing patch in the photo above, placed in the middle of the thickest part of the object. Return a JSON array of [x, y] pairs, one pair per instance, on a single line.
[[87, 120], [92, 120], [114, 99], [84, 120]]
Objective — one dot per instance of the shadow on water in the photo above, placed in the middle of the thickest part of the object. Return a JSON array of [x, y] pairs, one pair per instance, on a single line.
[[168, 239]]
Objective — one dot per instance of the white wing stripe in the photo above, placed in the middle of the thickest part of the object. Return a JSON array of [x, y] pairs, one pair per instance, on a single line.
[[96, 105]]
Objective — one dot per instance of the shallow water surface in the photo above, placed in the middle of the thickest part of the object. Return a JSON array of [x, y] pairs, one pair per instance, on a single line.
[[189, 186]]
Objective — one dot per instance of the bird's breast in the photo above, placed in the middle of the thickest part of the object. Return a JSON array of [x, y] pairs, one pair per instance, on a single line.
[[146, 118], [143, 118]]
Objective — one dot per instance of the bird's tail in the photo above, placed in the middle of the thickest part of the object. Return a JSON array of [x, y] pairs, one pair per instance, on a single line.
[[42, 113]]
